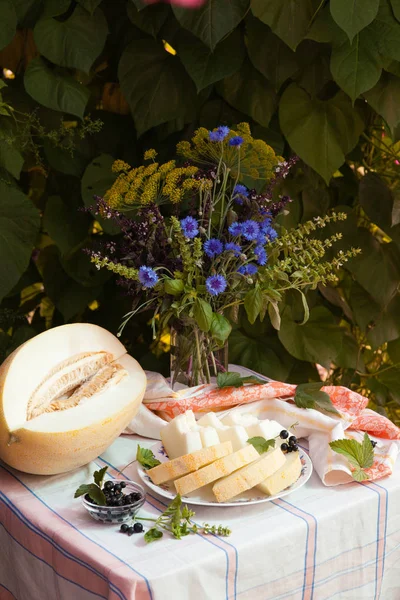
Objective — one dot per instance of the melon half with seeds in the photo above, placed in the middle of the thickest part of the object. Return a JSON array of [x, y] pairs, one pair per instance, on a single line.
[[65, 396]]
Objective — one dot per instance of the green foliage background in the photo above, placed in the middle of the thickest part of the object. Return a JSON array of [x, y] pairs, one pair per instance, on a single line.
[[316, 77]]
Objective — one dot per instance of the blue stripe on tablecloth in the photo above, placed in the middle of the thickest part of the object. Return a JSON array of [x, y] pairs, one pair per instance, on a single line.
[[386, 520], [81, 532], [51, 566], [55, 545], [7, 590], [206, 539]]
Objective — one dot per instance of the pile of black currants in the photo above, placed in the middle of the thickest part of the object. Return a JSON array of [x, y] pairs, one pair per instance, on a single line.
[[291, 444], [115, 496]]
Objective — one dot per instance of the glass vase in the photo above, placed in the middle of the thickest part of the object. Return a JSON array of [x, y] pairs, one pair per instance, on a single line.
[[195, 356]]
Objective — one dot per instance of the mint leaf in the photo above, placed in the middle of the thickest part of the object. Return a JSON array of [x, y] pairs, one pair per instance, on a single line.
[[146, 458], [359, 455], [261, 444], [98, 476], [153, 534], [93, 491], [232, 379], [309, 395], [173, 286]]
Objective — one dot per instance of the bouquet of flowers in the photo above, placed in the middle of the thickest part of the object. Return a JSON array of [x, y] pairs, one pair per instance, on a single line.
[[198, 241]]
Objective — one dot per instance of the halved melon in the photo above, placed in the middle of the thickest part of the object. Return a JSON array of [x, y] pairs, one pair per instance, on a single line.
[[65, 396]]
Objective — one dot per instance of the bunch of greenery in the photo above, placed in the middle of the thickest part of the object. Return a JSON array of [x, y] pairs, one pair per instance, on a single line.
[[317, 77], [202, 242]]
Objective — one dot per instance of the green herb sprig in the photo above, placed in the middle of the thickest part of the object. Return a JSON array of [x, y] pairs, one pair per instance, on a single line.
[[360, 455], [94, 490], [232, 379], [146, 458], [261, 444], [309, 395], [177, 521]]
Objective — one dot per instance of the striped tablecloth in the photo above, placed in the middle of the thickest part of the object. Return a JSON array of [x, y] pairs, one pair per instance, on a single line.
[[319, 543]]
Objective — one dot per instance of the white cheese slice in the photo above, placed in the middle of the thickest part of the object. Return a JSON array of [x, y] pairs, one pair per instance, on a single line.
[[283, 477], [248, 477], [236, 434], [210, 420]]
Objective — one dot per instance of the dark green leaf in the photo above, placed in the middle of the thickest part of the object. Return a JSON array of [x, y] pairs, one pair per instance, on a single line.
[[396, 8], [64, 227], [98, 476], [206, 67], [10, 158], [149, 20], [93, 491], [319, 340], [153, 534], [58, 92], [19, 226], [350, 356], [274, 314], [269, 54], [149, 75], [384, 99], [261, 444], [253, 303], [390, 377], [339, 127], [309, 395], [8, 22], [249, 92], [356, 67], [324, 29], [353, 15], [203, 314], [290, 20], [232, 379], [385, 31], [74, 43], [220, 328], [146, 458], [89, 5], [360, 455], [372, 186], [213, 21]]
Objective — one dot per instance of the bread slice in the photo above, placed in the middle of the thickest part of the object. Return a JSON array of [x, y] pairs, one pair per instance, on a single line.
[[249, 476], [216, 470], [189, 462], [283, 477]]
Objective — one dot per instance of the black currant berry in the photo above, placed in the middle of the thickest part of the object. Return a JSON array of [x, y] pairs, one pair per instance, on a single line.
[[138, 527], [284, 434]]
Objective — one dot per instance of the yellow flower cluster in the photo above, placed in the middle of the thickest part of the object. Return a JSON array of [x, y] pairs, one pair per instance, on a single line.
[[151, 183], [150, 154], [257, 159]]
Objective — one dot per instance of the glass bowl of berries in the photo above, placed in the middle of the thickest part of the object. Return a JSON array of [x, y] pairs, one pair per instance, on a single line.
[[123, 500]]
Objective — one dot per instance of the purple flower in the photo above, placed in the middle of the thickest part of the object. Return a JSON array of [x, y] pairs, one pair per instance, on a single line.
[[235, 229], [235, 248], [219, 135], [261, 255], [190, 227], [249, 269], [236, 141], [250, 230], [213, 247], [147, 277], [216, 284]]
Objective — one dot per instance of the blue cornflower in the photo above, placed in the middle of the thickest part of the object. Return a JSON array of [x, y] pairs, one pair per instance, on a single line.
[[235, 229], [238, 192], [265, 225], [213, 247], [249, 269], [219, 135], [261, 239], [271, 234], [261, 255], [250, 230], [147, 277], [235, 248], [236, 141], [216, 284], [190, 227]]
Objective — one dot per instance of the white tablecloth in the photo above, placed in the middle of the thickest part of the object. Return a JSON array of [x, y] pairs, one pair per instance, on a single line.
[[319, 543]]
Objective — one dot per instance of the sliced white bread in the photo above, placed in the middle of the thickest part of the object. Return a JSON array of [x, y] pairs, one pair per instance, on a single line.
[[189, 462], [283, 477], [216, 470], [248, 477]]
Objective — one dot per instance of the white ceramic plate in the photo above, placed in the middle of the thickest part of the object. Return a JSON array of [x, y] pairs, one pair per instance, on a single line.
[[205, 496]]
